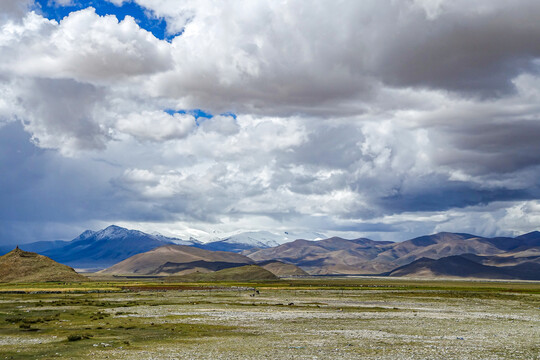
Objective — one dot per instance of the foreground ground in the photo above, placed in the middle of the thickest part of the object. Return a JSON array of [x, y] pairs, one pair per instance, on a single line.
[[364, 318]]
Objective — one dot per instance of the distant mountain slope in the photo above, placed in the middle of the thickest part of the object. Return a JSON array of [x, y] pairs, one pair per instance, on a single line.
[[106, 247], [37, 247], [24, 266], [329, 256], [364, 256], [256, 239], [463, 267], [242, 273], [41, 246], [201, 266], [506, 259], [281, 269], [150, 261], [440, 245]]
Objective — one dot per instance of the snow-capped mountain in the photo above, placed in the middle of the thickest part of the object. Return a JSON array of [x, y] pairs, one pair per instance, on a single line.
[[258, 239], [95, 249]]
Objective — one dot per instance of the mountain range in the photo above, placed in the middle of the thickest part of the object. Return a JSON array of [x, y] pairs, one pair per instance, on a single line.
[[99, 249], [257, 239], [364, 256], [104, 248], [124, 251]]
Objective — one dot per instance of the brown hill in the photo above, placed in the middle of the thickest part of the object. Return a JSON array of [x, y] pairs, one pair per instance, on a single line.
[[329, 256], [150, 261], [200, 266], [364, 256], [242, 273], [24, 266], [435, 247], [281, 269], [462, 266]]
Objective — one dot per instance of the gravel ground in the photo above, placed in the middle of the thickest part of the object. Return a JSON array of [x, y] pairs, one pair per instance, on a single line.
[[351, 329], [318, 324]]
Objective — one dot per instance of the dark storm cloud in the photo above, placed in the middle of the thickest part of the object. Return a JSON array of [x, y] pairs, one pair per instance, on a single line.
[[486, 147], [40, 187], [468, 50], [433, 193]]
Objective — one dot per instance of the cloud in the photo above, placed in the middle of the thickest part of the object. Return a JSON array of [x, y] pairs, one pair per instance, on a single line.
[[357, 118], [13, 9], [156, 126], [83, 46], [61, 114], [470, 48]]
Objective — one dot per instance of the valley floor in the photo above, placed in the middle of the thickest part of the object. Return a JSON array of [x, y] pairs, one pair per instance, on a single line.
[[296, 319]]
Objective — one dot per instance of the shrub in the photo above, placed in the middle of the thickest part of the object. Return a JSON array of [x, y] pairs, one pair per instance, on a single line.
[[77, 337]]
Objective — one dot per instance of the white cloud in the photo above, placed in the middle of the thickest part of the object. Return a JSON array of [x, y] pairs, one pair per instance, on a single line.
[[346, 113], [156, 126], [83, 46]]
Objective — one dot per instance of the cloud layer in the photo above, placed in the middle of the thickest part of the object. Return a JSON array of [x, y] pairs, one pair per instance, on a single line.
[[373, 118]]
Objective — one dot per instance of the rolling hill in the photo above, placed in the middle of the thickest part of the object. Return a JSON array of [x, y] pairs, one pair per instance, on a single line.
[[282, 269], [329, 256], [201, 266], [463, 266], [24, 266], [242, 273], [170, 256], [364, 256]]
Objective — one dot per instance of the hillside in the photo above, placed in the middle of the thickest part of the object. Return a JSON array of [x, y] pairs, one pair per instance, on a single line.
[[242, 273], [24, 266], [439, 245], [150, 261], [463, 266], [281, 269], [364, 256], [201, 266], [329, 256]]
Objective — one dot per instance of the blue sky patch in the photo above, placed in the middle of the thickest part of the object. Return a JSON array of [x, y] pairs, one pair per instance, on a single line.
[[197, 113], [145, 18]]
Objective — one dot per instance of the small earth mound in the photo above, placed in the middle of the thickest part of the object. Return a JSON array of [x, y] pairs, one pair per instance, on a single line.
[[25, 266], [241, 273], [282, 269]]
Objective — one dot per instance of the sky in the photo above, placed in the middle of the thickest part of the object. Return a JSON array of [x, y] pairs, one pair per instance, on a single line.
[[379, 118]]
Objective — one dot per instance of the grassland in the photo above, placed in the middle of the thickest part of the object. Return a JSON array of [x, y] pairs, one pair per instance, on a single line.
[[323, 318]]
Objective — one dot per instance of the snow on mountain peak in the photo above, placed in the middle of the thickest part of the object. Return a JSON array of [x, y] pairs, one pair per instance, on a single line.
[[265, 239]]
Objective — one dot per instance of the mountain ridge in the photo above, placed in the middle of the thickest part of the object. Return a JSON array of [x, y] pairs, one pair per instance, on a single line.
[[365, 256]]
